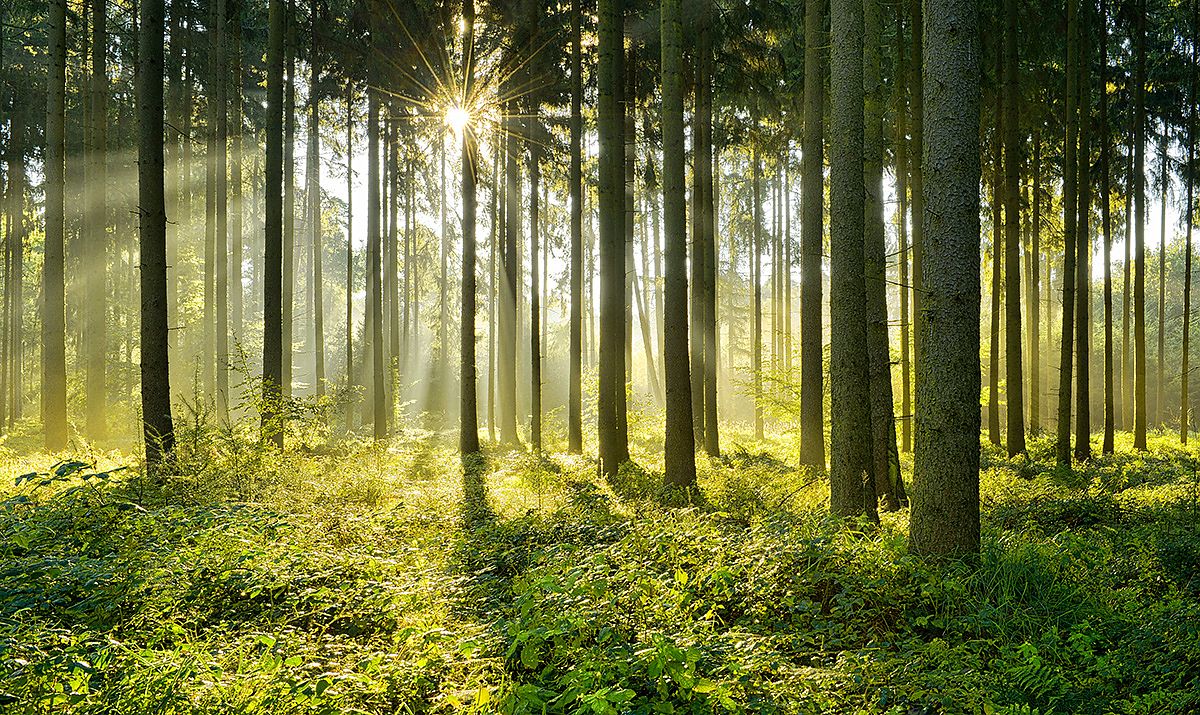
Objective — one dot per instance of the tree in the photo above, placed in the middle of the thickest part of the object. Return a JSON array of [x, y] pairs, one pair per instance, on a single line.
[[851, 491], [1139, 256], [97, 220], [468, 439], [885, 459], [219, 163], [614, 447], [54, 329], [272, 360], [1015, 432], [945, 499], [1106, 221], [1185, 376], [156, 374], [812, 376], [707, 217], [535, 345], [679, 442], [1063, 441], [314, 204], [575, 387], [1083, 245]]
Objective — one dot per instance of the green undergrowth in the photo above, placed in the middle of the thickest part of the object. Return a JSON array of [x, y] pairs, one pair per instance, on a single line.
[[360, 578]]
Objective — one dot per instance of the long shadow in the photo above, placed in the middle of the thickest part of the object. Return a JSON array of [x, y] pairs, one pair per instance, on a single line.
[[477, 511]]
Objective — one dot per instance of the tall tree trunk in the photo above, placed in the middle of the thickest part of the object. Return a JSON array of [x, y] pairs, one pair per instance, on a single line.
[[1014, 367], [54, 331], [679, 443], [812, 248], [1063, 442], [628, 102], [1139, 256], [1035, 297], [237, 306], [1127, 370], [272, 360], [350, 251], [916, 88], [535, 346], [614, 446], [1083, 245], [374, 267], [221, 207], [575, 356], [885, 458], [97, 229], [708, 215], [509, 288], [16, 276], [1185, 376], [468, 412], [1160, 367], [997, 285], [756, 367], [902, 168], [945, 511], [289, 199], [314, 207], [1106, 219], [156, 383], [851, 491]]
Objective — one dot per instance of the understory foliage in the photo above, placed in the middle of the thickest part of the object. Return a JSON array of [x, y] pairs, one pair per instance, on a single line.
[[381, 579]]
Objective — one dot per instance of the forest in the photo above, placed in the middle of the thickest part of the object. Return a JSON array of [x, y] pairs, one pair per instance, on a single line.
[[599, 356]]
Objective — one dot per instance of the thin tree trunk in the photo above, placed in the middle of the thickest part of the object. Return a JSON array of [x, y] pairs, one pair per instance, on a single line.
[[575, 356], [97, 229], [1035, 299], [1106, 218], [237, 308], [535, 308], [1185, 376], [756, 367], [289, 198], [349, 251], [1014, 367], [1063, 441], [314, 208], [1160, 367], [374, 269], [273, 228], [1139, 256], [1083, 244], [221, 205], [54, 350], [468, 412], [902, 169]]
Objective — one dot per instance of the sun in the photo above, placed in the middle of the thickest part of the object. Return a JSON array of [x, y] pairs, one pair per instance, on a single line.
[[457, 118]]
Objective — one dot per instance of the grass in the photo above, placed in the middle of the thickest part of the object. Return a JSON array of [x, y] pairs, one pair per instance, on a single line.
[[358, 578]]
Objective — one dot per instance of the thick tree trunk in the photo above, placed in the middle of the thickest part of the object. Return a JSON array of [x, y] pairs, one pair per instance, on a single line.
[[1083, 246], [575, 352], [679, 442], [851, 490], [509, 287], [614, 447], [812, 248], [945, 511]]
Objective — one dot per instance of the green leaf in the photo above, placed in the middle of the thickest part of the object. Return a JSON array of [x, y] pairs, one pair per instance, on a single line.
[[529, 655]]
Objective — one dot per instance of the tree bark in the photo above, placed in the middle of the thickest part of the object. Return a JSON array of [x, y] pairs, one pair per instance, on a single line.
[[97, 229], [1106, 219], [945, 511], [468, 411], [1139, 256], [272, 360], [1014, 366], [1063, 441], [812, 376], [54, 350]]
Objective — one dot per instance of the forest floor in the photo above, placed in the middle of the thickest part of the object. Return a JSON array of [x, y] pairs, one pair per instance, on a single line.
[[358, 578]]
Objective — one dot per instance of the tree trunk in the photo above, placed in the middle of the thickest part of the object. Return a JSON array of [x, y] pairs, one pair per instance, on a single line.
[[1035, 297], [97, 229], [614, 447], [237, 306], [273, 227], [221, 206], [1083, 245], [156, 383], [350, 251], [885, 459], [851, 490], [812, 376], [1014, 368], [945, 511], [289, 199], [575, 357], [679, 442], [1106, 219], [1185, 376], [1063, 441], [507, 351], [916, 90], [535, 308], [756, 366], [902, 168], [1160, 367], [468, 412], [374, 267], [708, 214], [1139, 256], [54, 350], [314, 209]]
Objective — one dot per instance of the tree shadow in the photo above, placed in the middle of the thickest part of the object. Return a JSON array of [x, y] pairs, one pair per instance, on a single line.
[[477, 511]]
